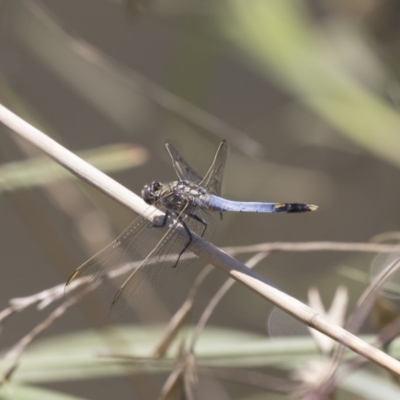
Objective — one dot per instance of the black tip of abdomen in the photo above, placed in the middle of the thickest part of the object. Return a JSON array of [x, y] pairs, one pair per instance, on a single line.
[[294, 208]]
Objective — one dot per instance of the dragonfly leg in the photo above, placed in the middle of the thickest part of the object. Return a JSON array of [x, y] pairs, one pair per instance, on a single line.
[[201, 220], [187, 230]]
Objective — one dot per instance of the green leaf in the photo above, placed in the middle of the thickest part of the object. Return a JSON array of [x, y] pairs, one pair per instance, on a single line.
[[370, 385], [87, 354], [126, 350], [17, 392], [41, 170], [280, 36]]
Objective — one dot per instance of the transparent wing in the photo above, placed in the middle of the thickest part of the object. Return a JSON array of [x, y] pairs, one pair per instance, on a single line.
[[146, 247], [166, 260], [181, 166], [112, 264], [213, 179]]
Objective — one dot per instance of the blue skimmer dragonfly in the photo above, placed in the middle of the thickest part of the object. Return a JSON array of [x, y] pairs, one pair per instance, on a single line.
[[151, 251]]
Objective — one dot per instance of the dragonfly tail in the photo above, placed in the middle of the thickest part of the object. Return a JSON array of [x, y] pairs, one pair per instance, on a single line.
[[216, 203]]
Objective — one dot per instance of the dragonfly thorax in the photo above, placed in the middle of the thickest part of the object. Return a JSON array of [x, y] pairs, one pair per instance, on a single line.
[[175, 196]]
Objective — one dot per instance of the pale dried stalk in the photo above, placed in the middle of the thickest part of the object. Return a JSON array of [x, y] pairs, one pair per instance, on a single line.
[[206, 250], [16, 351], [180, 316], [315, 246], [218, 296]]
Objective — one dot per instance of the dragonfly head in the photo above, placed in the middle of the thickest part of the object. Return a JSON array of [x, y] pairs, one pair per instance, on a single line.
[[150, 192]]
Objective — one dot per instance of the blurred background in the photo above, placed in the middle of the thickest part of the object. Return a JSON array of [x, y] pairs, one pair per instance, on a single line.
[[307, 95]]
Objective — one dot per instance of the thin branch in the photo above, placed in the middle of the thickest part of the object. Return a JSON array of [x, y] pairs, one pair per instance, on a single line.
[[49, 295], [180, 315], [41, 299], [315, 246], [200, 247], [218, 296], [16, 351]]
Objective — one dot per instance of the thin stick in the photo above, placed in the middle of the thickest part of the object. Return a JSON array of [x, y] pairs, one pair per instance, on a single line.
[[315, 246], [218, 296], [16, 351], [206, 250]]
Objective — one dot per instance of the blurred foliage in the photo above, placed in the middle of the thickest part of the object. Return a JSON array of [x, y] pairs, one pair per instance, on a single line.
[[42, 171], [19, 392], [280, 36], [121, 351], [335, 62]]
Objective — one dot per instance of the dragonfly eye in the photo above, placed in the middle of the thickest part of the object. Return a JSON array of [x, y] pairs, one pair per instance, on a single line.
[[155, 186], [149, 192]]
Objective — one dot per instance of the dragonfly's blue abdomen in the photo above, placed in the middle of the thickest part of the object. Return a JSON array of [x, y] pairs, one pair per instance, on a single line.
[[216, 203]]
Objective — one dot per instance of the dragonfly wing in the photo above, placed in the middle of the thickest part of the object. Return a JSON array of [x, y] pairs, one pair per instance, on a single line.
[[166, 261], [181, 166], [109, 268], [213, 179]]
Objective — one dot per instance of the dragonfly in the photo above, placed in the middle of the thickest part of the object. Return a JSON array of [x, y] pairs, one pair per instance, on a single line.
[[156, 246]]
